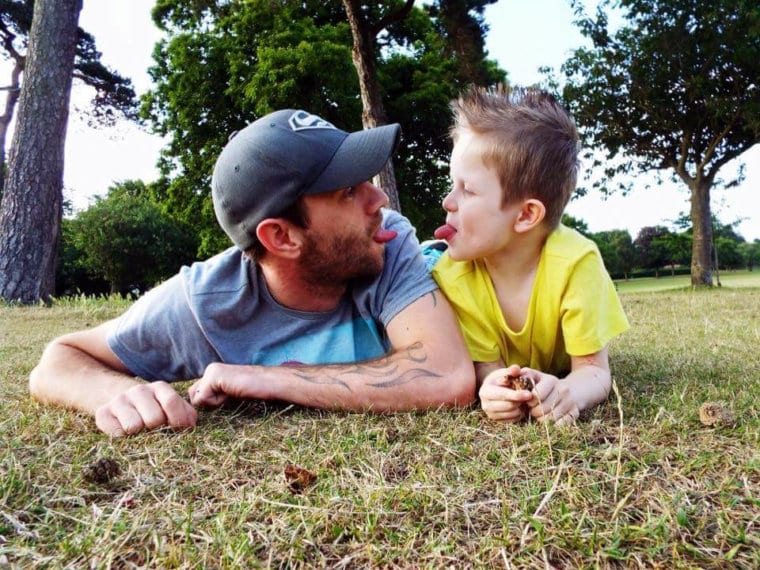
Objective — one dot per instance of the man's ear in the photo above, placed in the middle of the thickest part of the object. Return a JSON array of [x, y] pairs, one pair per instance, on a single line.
[[531, 215], [280, 237]]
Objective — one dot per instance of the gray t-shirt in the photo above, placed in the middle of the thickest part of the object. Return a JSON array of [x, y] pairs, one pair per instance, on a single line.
[[220, 310]]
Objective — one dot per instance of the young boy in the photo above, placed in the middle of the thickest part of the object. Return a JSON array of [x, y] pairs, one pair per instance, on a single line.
[[529, 292]]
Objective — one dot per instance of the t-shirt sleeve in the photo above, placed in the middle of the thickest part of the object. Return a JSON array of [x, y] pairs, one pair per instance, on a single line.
[[592, 314], [158, 338], [474, 309], [405, 277]]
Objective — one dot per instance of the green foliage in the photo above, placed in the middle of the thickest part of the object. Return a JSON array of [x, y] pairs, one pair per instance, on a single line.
[[617, 251], [222, 64], [114, 94], [676, 87], [750, 254], [575, 223], [126, 240]]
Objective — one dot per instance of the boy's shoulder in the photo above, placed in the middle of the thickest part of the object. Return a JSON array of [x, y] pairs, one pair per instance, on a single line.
[[568, 243]]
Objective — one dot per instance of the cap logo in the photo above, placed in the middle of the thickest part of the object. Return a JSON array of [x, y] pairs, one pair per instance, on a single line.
[[301, 121]]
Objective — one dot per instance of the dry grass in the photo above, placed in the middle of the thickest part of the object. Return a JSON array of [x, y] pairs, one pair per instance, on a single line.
[[639, 482]]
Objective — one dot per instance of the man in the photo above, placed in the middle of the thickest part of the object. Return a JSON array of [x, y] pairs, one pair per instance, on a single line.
[[324, 301]]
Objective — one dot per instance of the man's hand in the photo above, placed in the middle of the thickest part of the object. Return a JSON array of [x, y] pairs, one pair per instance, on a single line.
[[145, 407], [499, 402], [220, 382]]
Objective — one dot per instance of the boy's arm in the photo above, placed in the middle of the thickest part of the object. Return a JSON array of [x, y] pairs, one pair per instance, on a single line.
[[81, 372], [562, 400], [428, 367]]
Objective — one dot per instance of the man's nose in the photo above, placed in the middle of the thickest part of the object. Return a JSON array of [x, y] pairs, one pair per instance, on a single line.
[[376, 197]]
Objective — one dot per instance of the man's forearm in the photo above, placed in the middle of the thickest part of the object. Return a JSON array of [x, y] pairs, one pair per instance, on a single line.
[[66, 376], [405, 379]]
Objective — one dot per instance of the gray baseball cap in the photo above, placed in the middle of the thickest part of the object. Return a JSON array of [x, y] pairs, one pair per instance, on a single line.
[[269, 164]]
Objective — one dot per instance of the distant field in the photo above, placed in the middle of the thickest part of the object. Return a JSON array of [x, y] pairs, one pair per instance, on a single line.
[[648, 284]]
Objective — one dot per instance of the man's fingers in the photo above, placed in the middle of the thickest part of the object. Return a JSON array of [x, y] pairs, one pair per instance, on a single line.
[[120, 417], [108, 423], [178, 413], [205, 394], [143, 398], [147, 406]]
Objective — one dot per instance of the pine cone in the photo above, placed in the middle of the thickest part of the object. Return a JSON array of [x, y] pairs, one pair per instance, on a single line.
[[716, 414], [519, 382], [297, 478], [101, 471]]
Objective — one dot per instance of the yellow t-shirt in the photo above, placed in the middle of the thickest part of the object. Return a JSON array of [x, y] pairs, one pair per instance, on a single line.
[[573, 308]]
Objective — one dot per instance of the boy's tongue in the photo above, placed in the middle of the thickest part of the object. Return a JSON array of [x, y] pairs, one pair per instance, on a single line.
[[444, 232], [383, 236]]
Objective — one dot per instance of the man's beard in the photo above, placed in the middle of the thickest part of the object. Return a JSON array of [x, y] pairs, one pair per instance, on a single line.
[[337, 259]]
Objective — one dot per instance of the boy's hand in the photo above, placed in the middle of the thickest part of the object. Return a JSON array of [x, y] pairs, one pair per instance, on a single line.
[[499, 402], [552, 399]]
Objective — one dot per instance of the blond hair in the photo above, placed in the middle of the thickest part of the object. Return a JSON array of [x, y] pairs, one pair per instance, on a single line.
[[531, 142]]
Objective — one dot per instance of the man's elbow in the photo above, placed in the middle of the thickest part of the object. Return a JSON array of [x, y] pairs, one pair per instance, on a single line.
[[37, 377], [461, 391]]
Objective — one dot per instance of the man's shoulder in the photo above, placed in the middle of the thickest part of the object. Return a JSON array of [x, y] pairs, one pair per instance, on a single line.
[[226, 271]]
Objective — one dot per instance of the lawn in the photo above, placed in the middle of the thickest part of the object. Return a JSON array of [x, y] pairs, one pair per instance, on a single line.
[[731, 278], [638, 482]]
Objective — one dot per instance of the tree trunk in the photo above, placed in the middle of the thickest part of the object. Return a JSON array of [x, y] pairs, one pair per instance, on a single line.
[[373, 110], [30, 212], [7, 116], [701, 245]]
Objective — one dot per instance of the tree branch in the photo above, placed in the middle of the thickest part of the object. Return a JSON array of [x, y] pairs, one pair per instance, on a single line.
[[393, 16]]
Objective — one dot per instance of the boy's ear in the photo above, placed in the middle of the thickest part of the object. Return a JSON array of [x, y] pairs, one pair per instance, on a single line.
[[280, 237], [531, 215]]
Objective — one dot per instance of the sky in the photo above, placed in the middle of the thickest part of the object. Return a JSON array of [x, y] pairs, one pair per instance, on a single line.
[[524, 35]]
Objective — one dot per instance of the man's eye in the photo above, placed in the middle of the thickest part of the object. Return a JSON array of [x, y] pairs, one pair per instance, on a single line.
[[350, 191]]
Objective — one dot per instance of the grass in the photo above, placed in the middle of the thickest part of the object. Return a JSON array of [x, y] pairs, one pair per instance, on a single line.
[[733, 278], [638, 482]]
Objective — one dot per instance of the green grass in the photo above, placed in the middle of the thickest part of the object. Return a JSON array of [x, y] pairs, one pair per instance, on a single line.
[[665, 282], [638, 482]]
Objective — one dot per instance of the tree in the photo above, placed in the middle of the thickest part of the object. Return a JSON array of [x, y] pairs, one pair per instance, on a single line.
[[577, 224], [223, 64], [651, 246], [363, 53], [113, 93], [617, 251], [127, 240], [677, 89], [30, 211], [462, 24], [750, 253]]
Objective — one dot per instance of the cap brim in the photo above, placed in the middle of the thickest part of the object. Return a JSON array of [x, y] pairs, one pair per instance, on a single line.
[[360, 156]]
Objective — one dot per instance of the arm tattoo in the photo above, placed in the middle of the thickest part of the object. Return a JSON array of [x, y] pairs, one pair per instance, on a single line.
[[385, 368]]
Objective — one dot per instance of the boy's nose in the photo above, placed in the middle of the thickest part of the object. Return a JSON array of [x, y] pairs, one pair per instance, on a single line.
[[448, 202]]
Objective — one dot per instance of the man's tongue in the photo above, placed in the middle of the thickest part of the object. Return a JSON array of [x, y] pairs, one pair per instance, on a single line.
[[444, 232], [383, 236]]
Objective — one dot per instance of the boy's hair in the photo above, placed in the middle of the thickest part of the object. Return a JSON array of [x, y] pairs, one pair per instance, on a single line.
[[532, 142]]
